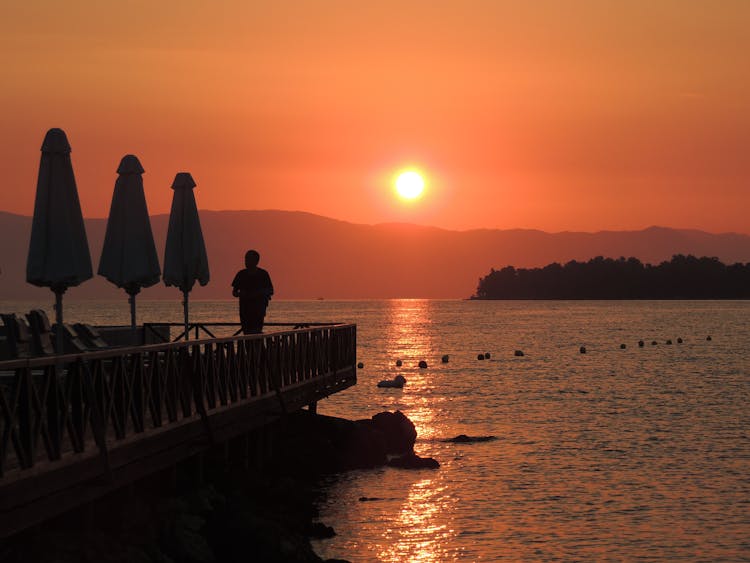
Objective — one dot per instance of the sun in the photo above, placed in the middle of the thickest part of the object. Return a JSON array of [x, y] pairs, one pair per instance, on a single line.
[[409, 184]]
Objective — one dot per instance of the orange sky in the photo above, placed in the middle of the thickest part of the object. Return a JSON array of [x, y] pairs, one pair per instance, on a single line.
[[576, 115]]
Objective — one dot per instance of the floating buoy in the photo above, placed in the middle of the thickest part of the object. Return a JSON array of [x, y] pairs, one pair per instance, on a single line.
[[708, 337], [518, 353], [641, 343], [679, 341], [480, 357], [582, 349], [486, 355], [669, 343], [622, 346], [399, 363], [445, 359], [422, 364], [360, 365]]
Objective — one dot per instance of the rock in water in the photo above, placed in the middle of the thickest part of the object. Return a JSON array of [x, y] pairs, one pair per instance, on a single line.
[[623, 346], [399, 363], [582, 349], [397, 382], [320, 531], [480, 356], [319, 444], [445, 359], [360, 365], [464, 439], [399, 432], [518, 353], [422, 364], [487, 356], [413, 461]]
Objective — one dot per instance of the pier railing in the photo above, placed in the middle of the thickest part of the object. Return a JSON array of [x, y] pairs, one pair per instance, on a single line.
[[208, 329], [111, 408]]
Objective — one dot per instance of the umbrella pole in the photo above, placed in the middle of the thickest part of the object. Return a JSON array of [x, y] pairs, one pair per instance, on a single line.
[[185, 312], [59, 320], [132, 317]]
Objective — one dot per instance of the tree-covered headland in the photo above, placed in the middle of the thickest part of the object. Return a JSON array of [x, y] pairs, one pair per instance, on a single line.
[[683, 277]]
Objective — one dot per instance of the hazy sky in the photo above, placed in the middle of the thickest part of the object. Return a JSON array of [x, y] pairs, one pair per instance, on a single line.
[[575, 115]]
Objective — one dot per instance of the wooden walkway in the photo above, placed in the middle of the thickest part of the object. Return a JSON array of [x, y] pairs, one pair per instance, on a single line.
[[73, 428]]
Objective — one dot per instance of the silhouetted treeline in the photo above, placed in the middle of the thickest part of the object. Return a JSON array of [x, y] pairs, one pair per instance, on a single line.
[[683, 277]]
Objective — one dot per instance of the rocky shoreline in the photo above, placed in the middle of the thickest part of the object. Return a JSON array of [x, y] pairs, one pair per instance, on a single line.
[[213, 509]]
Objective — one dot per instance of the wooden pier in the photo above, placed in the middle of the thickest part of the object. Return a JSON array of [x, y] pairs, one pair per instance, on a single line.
[[74, 428]]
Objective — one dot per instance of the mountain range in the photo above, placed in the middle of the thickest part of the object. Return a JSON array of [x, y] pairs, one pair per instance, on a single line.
[[310, 256]]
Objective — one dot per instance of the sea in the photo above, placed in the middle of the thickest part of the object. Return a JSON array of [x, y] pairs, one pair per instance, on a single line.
[[618, 454]]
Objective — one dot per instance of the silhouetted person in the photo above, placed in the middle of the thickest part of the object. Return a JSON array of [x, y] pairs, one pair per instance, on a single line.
[[254, 288]]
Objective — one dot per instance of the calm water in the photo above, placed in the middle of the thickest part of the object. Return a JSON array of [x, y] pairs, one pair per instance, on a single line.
[[642, 453]]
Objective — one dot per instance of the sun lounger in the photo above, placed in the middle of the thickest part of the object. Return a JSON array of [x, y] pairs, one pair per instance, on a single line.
[[72, 343], [41, 333], [90, 336], [18, 336]]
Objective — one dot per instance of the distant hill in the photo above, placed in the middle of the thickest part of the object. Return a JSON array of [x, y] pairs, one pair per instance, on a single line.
[[310, 256]]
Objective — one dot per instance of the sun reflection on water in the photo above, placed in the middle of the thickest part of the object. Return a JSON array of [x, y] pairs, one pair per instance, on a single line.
[[409, 338], [409, 335], [423, 532]]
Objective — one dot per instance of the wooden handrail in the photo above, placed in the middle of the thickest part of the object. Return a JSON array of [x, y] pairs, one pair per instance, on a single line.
[[239, 324], [57, 359], [201, 326]]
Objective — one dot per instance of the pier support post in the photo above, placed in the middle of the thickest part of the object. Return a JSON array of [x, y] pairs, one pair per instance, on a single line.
[[313, 407]]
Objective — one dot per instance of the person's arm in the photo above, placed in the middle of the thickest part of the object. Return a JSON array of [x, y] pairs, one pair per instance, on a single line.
[[269, 287], [235, 284]]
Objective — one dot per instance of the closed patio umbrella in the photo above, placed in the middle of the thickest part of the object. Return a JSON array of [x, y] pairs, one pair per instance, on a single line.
[[185, 260], [129, 257], [58, 251]]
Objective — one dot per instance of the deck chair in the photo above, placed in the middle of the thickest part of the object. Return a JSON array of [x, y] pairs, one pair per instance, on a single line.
[[72, 342], [41, 333], [18, 336], [90, 336]]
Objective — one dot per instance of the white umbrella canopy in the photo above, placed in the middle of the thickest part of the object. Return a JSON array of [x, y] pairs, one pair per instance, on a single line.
[[185, 259], [59, 255], [129, 257]]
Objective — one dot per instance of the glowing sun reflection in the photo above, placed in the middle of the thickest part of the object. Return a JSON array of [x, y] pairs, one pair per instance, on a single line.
[[423, 532], [409, 338]]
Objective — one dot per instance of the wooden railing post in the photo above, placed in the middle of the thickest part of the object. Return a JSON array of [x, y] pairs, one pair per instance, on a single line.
[[54, 411], [25, 436], [138, 406], [77, 421]]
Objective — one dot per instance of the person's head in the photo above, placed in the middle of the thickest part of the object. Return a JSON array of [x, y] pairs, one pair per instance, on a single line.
[[251, 258]]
